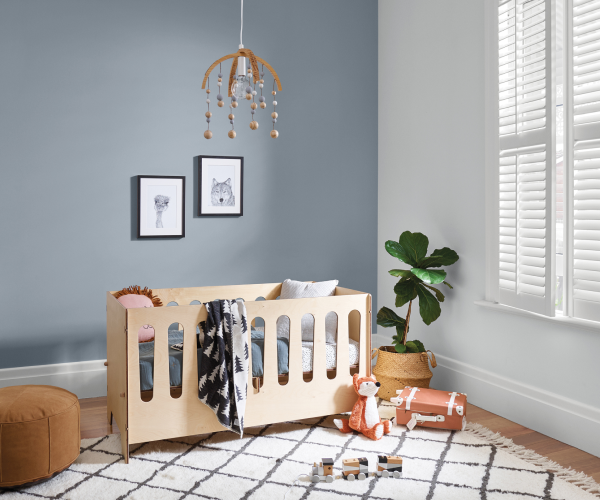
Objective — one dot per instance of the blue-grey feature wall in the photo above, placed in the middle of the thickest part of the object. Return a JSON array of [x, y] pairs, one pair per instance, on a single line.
[[96, 92]]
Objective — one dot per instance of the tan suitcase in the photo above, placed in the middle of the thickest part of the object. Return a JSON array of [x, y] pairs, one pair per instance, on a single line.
[[430, 408]]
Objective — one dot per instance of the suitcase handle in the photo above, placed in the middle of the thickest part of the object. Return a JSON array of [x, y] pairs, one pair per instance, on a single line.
[[428, 418]]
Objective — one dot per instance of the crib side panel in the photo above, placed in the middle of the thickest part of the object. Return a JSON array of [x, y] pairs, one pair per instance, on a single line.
[[321, 396], [116, 358], [165, 416], [184, 296]]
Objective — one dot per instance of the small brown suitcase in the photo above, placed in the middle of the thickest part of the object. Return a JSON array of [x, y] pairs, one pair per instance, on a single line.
[[430, 408]]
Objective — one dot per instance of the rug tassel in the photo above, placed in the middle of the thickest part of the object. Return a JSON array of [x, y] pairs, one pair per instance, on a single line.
[[577, 478]]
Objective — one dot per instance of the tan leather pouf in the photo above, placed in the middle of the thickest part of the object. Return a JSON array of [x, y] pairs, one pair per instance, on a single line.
[[39, 433]]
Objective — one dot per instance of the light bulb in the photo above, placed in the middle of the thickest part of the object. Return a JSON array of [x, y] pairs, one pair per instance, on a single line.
[[238, 87]]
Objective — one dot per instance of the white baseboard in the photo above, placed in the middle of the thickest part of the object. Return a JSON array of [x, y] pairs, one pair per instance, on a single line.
[[554, 415], [85, 379]]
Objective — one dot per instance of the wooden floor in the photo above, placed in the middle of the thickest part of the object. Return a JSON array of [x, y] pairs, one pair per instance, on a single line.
[[94, 424]]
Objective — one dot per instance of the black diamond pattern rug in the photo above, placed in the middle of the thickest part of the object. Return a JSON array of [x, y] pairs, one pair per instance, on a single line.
[[438, 465]]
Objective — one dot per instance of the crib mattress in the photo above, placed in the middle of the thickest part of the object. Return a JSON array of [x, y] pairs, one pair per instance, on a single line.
[[307, 354], [146, 351]]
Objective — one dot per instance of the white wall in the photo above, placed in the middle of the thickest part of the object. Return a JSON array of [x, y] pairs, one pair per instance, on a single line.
[[432, 179]]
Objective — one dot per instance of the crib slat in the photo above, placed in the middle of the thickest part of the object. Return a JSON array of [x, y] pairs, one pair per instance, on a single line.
[[319, 361], [189, 376], [295, 349], [270, 353], [161, 361], [342, 361]]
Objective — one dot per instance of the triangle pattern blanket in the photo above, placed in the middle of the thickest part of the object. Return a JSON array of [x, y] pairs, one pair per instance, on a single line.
[[223, 372]]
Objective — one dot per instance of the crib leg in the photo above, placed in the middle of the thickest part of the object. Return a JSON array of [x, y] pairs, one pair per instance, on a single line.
[[125, 446]]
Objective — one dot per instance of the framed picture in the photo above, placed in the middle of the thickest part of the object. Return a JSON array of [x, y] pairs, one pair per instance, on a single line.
[[161, 206], [221, 185]]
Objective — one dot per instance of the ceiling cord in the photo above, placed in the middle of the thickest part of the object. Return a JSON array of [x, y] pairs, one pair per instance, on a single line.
[[242, 27]]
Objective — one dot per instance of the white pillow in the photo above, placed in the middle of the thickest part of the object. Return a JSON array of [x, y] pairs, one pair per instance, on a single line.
[[300, 290]]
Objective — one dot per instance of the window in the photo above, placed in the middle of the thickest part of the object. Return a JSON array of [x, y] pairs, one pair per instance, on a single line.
[[544, 152]]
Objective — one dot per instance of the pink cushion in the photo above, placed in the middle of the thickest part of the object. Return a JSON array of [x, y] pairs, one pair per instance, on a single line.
[[132, 301]]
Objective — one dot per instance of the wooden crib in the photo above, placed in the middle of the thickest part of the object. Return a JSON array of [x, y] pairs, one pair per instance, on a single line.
[[177, 412]]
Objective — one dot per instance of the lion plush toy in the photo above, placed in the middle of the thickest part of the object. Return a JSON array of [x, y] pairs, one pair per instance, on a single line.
[[365, 416], [133, 297]]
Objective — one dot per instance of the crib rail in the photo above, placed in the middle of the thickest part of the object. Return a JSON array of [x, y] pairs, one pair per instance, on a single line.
[[166, 417]]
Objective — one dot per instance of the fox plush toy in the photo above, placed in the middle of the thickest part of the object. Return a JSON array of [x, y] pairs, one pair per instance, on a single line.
[[365, 416]]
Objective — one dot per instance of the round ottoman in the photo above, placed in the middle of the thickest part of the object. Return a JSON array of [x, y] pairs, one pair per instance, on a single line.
[[39, 433]]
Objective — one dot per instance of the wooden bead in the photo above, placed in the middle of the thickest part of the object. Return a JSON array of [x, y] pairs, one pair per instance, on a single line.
[[208, 91], [274, 134], [248, 97], [220, 79], [253, 125], [220, 104], [234, 104], [274, 93], [274, 115], [231, 117], [263, 105], [208, 134], [208, 114], [254, 105], [261, 81], [231, 134]]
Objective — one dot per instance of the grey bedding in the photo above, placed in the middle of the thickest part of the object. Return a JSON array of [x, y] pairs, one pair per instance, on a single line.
[[176, 358]]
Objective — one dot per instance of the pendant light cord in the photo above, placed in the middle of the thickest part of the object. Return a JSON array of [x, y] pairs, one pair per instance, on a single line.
[[242, 26]]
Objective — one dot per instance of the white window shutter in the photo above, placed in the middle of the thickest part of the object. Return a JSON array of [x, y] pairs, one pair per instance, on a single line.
[[527, 147], [586, 159]]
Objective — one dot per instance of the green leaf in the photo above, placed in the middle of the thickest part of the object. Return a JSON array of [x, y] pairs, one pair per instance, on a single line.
[[429, 307], [400, 334], [405, 273], [412, 347], [431, 276], [415, 279], [405, 290], [430, 262], [396, 250], [415, 245], [388, 318], [438, 295], [419, 344], [401, 348], [445, 256], [448, 284]]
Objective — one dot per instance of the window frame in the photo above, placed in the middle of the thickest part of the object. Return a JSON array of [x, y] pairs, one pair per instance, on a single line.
[[492, 151]]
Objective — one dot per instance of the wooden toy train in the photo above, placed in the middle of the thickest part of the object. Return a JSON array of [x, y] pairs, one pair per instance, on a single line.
[[357, 468]]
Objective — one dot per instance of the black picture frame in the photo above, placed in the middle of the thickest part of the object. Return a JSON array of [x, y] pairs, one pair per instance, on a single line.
[[205, 161], [143, 229]]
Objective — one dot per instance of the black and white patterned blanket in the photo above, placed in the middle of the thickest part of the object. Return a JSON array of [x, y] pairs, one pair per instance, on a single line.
[[223, 375]]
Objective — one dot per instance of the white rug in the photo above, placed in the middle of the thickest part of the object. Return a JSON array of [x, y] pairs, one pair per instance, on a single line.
[[468, 465]]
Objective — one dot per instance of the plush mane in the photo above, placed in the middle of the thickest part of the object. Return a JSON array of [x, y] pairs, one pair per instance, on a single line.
[[136, 290]]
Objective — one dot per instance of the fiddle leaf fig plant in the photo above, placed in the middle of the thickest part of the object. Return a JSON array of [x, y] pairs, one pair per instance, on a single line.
[[416, 282]]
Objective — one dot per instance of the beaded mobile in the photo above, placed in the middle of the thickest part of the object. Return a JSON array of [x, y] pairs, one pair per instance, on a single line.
[[242, 84]]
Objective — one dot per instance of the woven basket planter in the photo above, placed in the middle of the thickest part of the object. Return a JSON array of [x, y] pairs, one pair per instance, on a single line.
[[395, 371]]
